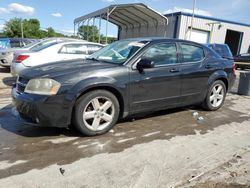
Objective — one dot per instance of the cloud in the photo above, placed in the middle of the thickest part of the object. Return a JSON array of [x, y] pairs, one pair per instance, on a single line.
[[180, 9], [1, 27], [57, 14], [68, 32], [20, 9], [3, 10]]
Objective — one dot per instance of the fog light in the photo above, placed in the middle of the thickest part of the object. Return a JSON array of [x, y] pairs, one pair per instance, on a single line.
[[37, 120]]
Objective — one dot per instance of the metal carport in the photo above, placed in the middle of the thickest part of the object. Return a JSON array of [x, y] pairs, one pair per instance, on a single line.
[[133, 20]]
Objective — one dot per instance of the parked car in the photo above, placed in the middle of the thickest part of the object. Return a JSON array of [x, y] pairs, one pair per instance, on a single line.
[[242, 61], [127, 77], [222, 49], [9, 54], [10, 43], [51, 52]]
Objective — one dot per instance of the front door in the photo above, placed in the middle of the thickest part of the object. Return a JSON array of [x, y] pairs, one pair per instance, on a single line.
[[158, 87]]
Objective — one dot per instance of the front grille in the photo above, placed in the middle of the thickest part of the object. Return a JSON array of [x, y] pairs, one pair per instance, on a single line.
[[20, 88], [21, 84], [23, 80]]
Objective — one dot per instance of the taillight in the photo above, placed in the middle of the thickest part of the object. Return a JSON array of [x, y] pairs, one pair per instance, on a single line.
[[234, 69], [21, 58]]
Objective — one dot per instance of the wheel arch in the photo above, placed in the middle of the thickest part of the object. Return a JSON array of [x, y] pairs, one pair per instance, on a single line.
[[224, 80], [109, 88], [219, 75]]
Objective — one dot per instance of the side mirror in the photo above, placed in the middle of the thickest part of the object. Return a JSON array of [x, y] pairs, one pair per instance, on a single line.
[[145, 64]]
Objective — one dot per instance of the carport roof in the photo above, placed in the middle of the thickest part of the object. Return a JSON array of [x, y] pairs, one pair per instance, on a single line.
[[126, 15]]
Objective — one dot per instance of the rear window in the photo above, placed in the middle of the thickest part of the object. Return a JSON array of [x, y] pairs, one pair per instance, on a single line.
[[15, 43], [222, 50], [93, 48], [74, 49], [191, 53]]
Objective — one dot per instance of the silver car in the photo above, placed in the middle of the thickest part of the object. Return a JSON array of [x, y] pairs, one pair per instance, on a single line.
[[9, 49], [52, 52]]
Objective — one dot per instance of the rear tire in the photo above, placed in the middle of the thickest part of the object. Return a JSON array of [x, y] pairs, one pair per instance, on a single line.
[[216, 95], [96, 112]]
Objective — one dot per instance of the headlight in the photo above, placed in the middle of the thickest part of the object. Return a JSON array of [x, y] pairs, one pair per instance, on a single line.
[[42, 86]]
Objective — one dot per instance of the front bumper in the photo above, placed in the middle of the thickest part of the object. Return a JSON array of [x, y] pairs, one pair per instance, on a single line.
[[16, 68], [47, 111]]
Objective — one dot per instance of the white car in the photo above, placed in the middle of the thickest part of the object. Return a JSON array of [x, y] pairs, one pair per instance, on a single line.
[[52, 52], [7, 55]]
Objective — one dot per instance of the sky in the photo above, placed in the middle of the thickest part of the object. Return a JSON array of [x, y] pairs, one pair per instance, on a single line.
[[60, 14]]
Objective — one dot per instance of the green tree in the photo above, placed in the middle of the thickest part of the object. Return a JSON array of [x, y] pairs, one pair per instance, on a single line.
[[31, 29], [12, 28], [51, 32], [89, 33]]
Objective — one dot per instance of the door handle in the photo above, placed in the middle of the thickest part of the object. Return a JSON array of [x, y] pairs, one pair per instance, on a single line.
[[208, 66], [174, 70]]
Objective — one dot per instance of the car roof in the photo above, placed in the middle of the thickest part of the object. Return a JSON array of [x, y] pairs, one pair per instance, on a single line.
[[163, 39], [80, 42]]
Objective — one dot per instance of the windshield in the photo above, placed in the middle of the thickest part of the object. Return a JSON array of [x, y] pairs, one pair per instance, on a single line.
[[118, 52], [31, 44], [4, 43], [42, 43]]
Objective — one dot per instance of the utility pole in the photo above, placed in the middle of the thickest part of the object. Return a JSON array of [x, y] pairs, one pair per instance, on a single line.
[[192, 21], [22, 28]]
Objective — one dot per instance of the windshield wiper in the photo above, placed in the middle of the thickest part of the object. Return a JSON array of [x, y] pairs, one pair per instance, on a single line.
[[93, 59], [99, 60]]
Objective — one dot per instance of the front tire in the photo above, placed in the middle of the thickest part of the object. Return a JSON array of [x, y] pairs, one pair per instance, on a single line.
[[96, 112], [215, 96]]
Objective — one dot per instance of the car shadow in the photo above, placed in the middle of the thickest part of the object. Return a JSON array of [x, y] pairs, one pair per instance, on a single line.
[[11, 122]]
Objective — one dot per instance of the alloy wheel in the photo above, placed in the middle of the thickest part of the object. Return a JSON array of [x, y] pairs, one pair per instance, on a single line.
[[98, 113], [217, 95]]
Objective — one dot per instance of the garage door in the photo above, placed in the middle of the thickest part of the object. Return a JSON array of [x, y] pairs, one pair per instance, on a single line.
[[199, 36]]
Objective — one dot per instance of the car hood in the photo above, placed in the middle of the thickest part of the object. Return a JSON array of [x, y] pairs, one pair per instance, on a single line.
[[62, 68]]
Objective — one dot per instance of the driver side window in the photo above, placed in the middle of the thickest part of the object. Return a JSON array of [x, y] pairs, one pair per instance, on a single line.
[[162, 54]]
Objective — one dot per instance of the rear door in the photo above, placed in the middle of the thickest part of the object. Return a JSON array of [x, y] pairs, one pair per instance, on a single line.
[[158, 87], [194, 73]]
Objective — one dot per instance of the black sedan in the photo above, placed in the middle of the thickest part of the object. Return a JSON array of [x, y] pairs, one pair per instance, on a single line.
[[242, 61], [127, 77]]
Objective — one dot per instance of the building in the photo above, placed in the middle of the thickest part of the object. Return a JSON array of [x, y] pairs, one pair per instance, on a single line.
[[210, 30]]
